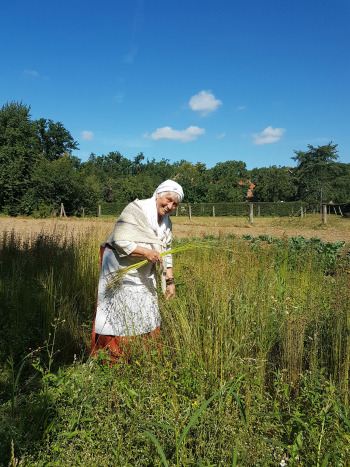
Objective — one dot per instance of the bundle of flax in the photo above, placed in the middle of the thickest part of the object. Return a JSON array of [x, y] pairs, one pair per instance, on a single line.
[[117, 276]]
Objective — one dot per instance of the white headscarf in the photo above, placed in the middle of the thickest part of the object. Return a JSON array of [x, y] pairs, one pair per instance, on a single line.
[[170, 185], [151, 206]]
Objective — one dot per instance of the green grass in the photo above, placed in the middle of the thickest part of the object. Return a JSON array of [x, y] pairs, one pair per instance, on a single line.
[[310, 221], [263, 327]]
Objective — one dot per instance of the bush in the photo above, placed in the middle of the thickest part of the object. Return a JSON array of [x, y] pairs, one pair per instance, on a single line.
[[43, 211]]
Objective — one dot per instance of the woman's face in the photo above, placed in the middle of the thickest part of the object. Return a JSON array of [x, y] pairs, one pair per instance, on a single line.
[[166, 204]]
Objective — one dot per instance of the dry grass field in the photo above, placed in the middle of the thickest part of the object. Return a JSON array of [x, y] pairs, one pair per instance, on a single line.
[[337, 228]]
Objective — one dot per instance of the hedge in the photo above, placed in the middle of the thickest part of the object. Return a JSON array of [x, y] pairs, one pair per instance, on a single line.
[[233, 209], [240, 209], [112, 209]]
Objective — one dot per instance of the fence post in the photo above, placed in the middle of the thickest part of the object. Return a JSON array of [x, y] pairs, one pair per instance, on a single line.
[[177, 211], [340, 211], [83, 212], [213, 211], [189, 212], [301, 212], [324, 214], [99, 210], [63, 212], [335, 210], [258, 211], [251, 208]]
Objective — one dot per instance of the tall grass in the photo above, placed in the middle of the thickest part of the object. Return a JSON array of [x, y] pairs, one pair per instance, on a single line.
[[266, 305], [43, 278], [266, 326]]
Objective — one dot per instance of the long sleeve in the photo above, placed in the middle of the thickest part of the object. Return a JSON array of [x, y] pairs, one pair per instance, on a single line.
[[125, 248], [168, 248]]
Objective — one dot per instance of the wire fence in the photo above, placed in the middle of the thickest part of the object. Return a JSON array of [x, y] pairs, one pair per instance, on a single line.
[[222, 209], [280, 209]]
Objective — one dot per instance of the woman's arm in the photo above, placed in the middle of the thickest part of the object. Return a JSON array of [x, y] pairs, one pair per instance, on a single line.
[[154, 256], [151, 255]]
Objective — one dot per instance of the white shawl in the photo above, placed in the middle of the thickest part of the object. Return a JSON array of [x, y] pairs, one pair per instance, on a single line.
[[133, 225]]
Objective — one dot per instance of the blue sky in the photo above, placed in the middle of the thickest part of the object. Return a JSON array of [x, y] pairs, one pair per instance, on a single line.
[[205, 81]]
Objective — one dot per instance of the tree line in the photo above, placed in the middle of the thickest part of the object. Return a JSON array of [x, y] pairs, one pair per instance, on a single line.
[[38, 172]]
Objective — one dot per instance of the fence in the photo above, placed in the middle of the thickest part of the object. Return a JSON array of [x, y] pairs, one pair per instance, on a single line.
[[238, 209], [224, 209], [221, 209]]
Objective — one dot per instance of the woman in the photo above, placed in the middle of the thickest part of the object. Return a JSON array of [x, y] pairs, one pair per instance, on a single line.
[[143, 231]]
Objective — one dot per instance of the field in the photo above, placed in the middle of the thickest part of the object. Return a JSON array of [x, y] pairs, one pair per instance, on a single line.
[[336, 229], [253, 368]]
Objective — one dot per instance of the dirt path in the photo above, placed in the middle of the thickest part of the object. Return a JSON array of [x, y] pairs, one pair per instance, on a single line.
[[32, 227]]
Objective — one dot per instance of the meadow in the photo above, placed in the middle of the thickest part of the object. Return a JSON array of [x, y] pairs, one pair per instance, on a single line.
[[253, 368]]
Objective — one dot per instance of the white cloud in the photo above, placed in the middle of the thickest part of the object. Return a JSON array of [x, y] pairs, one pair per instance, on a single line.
[[204, 102], [241, 107], [269, 135], [31, 73], [221, 136], [184, 135], [88, 135], [145, 135], [118, 97], [129, 57]]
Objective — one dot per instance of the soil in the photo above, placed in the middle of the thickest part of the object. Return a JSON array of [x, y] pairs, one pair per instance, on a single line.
[[27, 227]]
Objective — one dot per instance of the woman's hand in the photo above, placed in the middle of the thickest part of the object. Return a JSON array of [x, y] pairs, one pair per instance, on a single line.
[[171, 286], [151, 255], [171, 291]]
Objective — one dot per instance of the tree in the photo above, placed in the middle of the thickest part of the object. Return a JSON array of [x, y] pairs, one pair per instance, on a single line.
[[339, 190], [17, 155], [274, 184], [224, 185], [59, 182], [194, 181], [139, 186], [316, 170], [232, 171], [53, 140]]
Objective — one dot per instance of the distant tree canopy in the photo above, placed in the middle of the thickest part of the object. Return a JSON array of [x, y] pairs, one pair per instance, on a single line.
[[28, 153], [38, 172], [274, 184], [53, 140], [317, 172]]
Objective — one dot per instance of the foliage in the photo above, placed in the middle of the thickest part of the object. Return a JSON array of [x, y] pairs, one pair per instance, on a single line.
[[224, 186], [315, 172], [53, 139], [36, 165], [17, 156], [256, 322], [241, 209], [274, 184], [38, 172]]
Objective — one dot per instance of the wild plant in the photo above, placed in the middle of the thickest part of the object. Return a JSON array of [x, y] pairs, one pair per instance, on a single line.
[[256, 315]]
